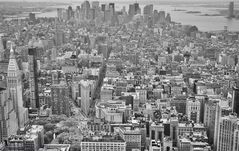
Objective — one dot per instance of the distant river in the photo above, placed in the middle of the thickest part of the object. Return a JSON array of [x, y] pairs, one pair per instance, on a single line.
[[204, 23]]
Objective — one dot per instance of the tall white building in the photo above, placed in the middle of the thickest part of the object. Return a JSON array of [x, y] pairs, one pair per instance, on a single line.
[[193, 110], [87, 88], [14, 84], [212, 114], [228, 134]]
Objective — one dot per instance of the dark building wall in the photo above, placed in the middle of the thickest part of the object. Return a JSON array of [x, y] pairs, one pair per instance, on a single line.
[[235, 101], [34, 75], [180, 105]]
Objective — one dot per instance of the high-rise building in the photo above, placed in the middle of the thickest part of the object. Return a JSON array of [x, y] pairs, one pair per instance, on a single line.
[[134, 9], [14, 84], [70, 13], [103, 7], [33, 82], [231, 9], [85, 9], [228, 133], [168, 18], [86, 92], [157, 133], [92, 14], [132, 137], [193, 110], [148, 11], [60, 102], [162, 17], [59, 37], [137, 8], [95, 4], [174, 130], [156, 16], [150, 22], [112, 8], [235, 100], [212, 114], [1, 49], [78, 13], [32, 17], [60, 14], [131, 10], [112, 5], [8, 117]]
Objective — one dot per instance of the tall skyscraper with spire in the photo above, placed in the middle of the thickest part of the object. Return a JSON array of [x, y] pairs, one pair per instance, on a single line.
[[14, 84]]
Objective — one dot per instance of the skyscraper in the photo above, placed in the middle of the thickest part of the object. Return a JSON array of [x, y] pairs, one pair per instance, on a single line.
[[162, 16], [8, 117], [134, 9], [103, 7], [85, 96], [70, 13], [193, 110], [131, 10], [112, 8], [60, 14], [168, 18], [212, 114], [157, 132], [148, 10], [95, 4], [34, 100], [231, 9], [59, 37], [137, 8], [85, 8], [228, 133], [1, 49], [60, 99], [14, 84], [235, 100], [32, 17], [174, 130]]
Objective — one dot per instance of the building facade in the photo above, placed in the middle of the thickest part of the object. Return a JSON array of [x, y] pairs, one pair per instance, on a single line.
[[33, 82], [227, 133], [60, 102], [8, 117], [14, 84]]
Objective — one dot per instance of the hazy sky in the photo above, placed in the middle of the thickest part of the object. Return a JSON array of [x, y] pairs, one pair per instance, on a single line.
[[117, 0]]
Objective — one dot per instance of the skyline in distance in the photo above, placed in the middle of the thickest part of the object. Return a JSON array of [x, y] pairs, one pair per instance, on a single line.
[[119, 1]]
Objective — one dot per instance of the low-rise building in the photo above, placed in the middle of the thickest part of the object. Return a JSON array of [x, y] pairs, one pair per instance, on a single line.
[[103, 143]]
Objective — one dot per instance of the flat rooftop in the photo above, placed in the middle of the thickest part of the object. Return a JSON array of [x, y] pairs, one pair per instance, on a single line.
[[104, 139]]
